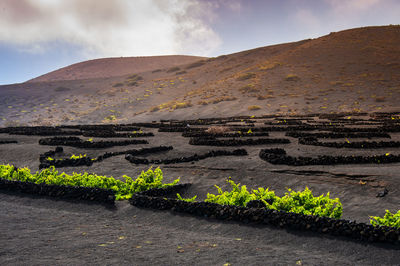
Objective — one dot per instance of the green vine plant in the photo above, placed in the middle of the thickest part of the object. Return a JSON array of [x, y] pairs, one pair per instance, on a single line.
[[193, 199], [303, 202], [123, 190], [389, 219], [80, 156]]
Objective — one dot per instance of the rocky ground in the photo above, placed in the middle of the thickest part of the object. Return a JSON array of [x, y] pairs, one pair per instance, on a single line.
[[42, 230]]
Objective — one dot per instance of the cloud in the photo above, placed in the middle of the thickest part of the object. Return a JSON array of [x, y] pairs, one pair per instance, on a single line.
[[111, 28], [352, 5], [336, 15], [307, 19]]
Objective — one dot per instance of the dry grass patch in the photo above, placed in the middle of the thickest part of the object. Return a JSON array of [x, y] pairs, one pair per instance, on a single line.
[[196, 64], [380, 99], [225, 69], [217, 100], [249, 88], [173, 69], [172, 105], [264, 97], [269, 66], [118, 84], [203, 102], [348, 84], [253, 107], [292, 77], [246, 76], [62, 89], [133, 80]]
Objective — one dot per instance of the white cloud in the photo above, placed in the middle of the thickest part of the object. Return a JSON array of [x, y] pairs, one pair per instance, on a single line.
[[339, 15], [110, 28], [307, 19], [352, 5]]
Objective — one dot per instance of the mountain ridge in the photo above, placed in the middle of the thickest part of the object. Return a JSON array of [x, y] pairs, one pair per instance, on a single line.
[[114, 66], [351, 71]]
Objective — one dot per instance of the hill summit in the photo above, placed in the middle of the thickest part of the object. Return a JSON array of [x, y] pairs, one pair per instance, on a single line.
[[351, 71]]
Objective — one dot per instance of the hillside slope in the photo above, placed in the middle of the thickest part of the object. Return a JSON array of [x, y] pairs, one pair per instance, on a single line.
[[111, 67], [356, 70]]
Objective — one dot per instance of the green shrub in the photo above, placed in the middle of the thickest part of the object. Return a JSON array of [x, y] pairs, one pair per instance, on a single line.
[[110, 118], [298, 202], [390, 219], [193, 199], [123, 190], [80, 156]]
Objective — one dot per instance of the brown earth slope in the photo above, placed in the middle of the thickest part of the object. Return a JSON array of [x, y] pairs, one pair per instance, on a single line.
[[111, 67], [356, 70]]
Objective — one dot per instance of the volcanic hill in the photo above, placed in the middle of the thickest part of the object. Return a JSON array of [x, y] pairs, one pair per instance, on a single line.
[[356, 70]]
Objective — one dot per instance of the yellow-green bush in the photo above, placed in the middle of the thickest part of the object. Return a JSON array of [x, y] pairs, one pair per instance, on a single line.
[[123, 190]]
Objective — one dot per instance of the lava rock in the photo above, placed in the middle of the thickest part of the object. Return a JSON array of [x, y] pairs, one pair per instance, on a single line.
[[382, 193]]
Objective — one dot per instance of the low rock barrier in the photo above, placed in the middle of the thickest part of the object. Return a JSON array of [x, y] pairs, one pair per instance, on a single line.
[[64, 192], [278, 156], [196, 157], [287, 220], [8, 141], [235, 142], [336, 135], [354, 145], [77, 142]]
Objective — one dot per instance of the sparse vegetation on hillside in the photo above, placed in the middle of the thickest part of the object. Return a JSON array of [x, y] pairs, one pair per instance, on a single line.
[[196, 64], [132, 80], [245, 76], [268, 65], [110, 118], [118, 84], [173, 69], [253, 107], [135, 77], [292, 77], [263, 97], [173, 105], [249, 88], [217, 100], [62, 89]]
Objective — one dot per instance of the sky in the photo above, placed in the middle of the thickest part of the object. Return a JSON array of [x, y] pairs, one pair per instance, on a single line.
[[39, 36]]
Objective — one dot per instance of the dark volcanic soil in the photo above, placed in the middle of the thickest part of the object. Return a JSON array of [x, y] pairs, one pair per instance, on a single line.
[[40, 230]]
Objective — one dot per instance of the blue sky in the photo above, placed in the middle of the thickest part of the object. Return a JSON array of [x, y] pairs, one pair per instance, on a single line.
[[38, 36]]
